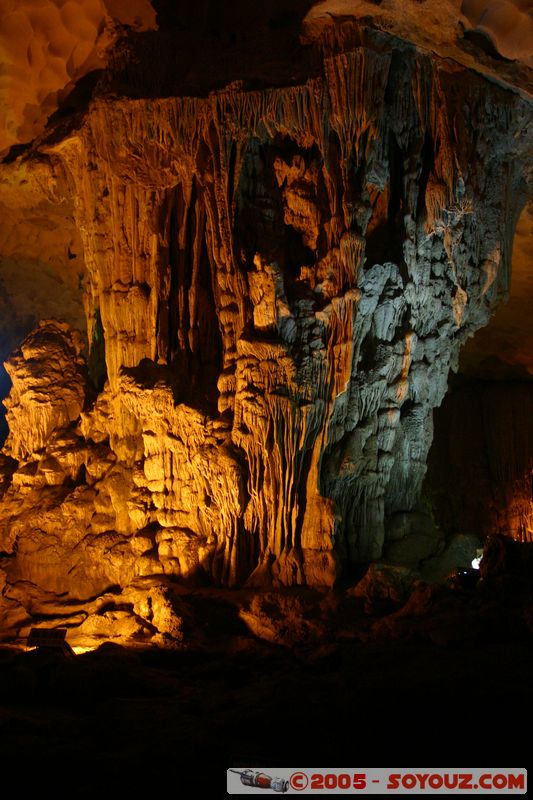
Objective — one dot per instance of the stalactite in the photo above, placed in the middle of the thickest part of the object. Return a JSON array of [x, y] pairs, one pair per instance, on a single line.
[[284, 279]]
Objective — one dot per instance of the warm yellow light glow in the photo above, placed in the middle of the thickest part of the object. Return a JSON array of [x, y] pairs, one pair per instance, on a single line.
[[79, 650]]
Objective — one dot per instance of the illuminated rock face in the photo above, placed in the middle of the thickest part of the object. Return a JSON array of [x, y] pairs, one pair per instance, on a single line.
[[282, 280], [46, 47], [48, 388]]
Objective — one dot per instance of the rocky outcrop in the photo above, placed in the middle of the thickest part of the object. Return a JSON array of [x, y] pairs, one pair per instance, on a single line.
[[48, 388], [280, 281]]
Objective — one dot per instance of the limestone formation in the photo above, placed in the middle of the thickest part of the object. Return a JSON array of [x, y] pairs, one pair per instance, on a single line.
[[47, 47], [48, 388], [278, 284]]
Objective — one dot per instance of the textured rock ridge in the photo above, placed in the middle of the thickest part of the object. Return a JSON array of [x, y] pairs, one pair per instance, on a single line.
[[281, 281], [48, 388]]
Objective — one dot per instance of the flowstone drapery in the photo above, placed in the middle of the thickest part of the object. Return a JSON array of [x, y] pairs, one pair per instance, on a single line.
[[280, 281]]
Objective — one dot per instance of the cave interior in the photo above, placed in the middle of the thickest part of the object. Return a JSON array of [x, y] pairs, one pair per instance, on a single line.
[[266, 288]]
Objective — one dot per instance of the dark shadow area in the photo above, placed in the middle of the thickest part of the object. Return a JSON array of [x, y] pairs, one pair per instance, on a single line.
[[192, 328], [481, 460], [14, 152], [5, 386], [71, 109], [427, 158], [158, 718], [483, 41], [78, 98], [367, 356], [385, 236], [96, 363], [201, 46], [260, 221]]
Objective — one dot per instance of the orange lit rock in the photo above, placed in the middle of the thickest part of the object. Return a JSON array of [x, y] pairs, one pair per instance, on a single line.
[[507, 24], [46, 47], [278, 282], [41, 254], [48, 394]]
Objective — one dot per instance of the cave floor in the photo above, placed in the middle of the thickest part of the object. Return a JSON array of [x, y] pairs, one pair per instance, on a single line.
[[124, 716]]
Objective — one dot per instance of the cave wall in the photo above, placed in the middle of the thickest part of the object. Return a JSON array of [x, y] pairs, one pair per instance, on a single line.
[[282, 279], [42, 269], [480, 465], [48, 49]]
